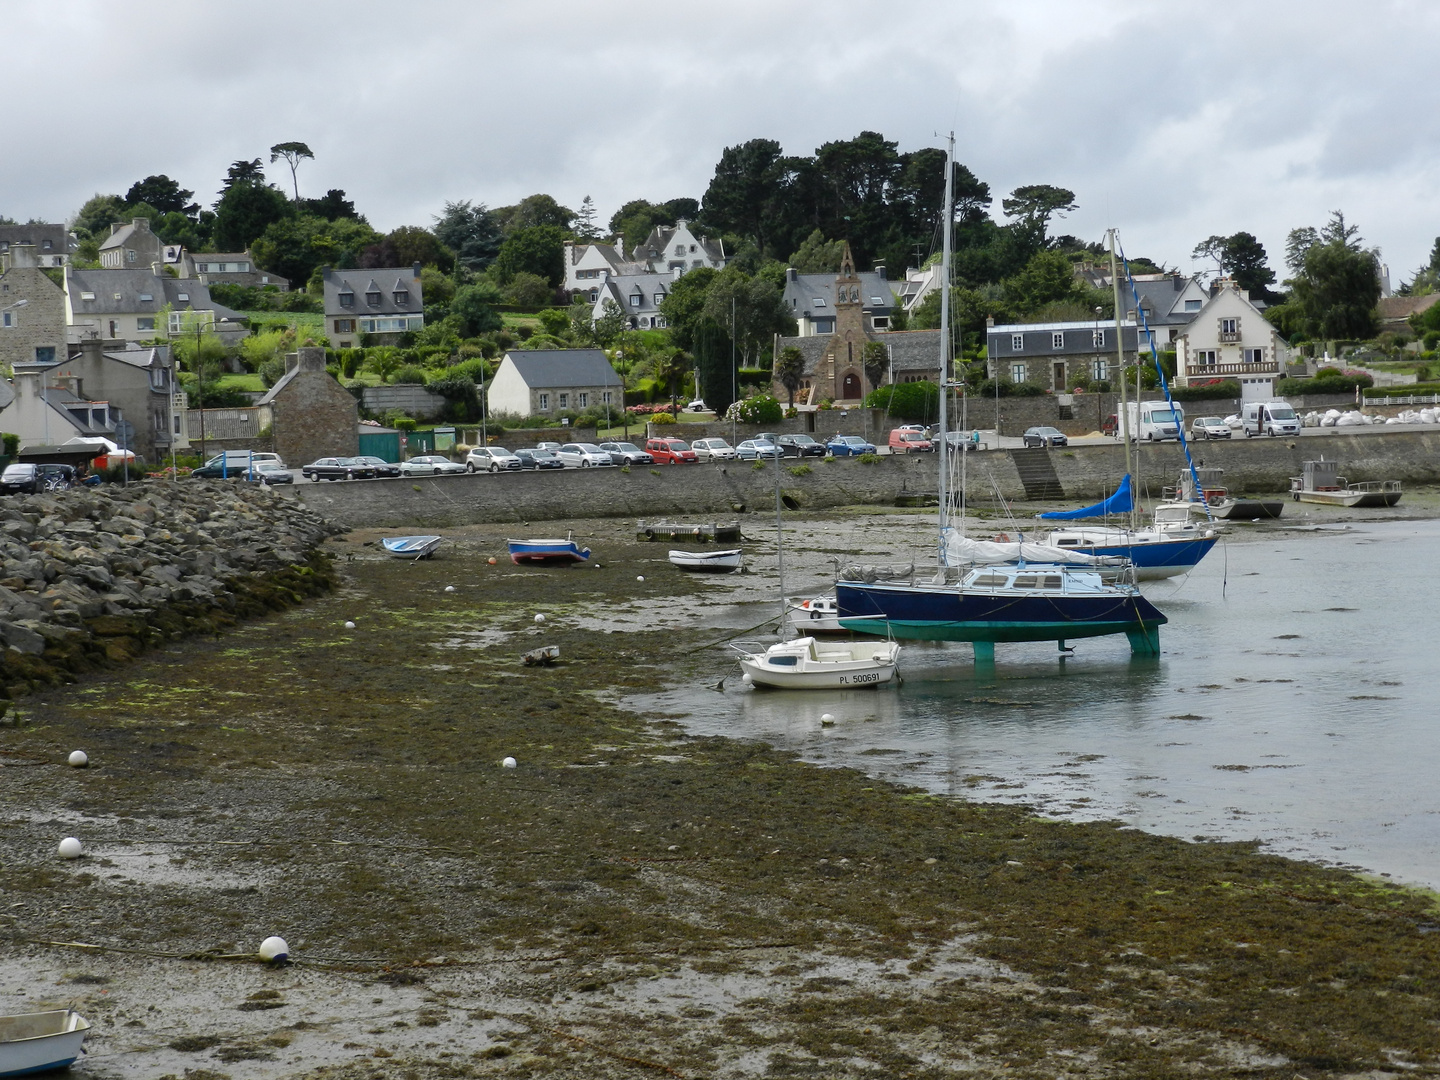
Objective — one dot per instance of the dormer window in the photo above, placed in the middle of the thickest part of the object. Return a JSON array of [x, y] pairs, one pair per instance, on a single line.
[[347, 299], [1017, 342], [184, 296], [818, 301], [594, 295], [402, 297], [373, 299], [635, 300], [146, 298], [1057, 340]]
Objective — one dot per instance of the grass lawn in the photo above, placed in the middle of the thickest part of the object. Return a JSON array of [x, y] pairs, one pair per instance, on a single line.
[[248, 381], [306, 322]]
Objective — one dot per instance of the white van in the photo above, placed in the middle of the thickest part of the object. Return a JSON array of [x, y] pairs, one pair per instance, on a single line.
[[1154, 421], [1269, 418]]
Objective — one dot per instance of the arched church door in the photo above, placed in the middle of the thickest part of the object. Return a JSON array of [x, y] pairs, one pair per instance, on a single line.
[[850, 388]]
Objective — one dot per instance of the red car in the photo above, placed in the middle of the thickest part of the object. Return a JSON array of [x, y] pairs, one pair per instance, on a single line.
[[670, 452]]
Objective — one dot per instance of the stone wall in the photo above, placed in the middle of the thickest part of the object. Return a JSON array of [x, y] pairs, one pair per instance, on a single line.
[[315, 416], [39, 323], [412, 400], [1085, 473]]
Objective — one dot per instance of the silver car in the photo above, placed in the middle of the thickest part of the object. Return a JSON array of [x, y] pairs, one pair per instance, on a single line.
[[491, 459], [430, 465], [627, 453], [713, 450], [582, 455], [1209, 427]]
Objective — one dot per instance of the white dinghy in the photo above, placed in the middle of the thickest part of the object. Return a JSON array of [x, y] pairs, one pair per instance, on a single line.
[[706, 562], [41, 1041], [805, 664]]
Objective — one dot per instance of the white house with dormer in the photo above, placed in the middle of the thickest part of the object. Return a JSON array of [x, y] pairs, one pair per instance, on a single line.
[[639, 296], [1228, 338]]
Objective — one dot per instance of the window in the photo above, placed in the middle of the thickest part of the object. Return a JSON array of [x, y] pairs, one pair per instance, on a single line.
[[47, 245], [635, 300], [242, 268], [1192, 305], [1252, 356], [544, 402], [202, 268], [391, 326], [347, 299], [564, 401], [819, 301], [144, 322], [594, 295], [344, 326], [184, 296], [1205, 357], [1100, 369], [659, 298], [402, 297], [146, 298], [129, 254], [87, 296], [1229, 326], [1017, 372], [7, 318], [1057, 340], [44, 354], [679, 249], [1097, 338], [605, 397], [583, 400], [373, 299], [1017, 342]]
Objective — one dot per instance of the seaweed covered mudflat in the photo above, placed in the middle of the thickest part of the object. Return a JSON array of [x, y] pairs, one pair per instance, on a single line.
[[627, 900]]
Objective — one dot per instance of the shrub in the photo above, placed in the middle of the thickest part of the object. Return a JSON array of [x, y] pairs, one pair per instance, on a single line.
[[11, 443], [760, 409], [409, 375], [868, 459], [799, 470], [1009, 389], [1212, 388], [917, 401], [662, 418]]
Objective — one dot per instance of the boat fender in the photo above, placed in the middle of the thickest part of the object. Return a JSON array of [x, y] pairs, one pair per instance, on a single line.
[[1002, 538], [649, 534]]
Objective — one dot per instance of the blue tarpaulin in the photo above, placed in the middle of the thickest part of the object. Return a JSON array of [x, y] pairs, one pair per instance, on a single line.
[[1119, 503]]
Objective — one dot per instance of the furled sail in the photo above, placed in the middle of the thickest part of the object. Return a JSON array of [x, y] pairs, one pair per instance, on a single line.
[[1119, 503], [962, 551]]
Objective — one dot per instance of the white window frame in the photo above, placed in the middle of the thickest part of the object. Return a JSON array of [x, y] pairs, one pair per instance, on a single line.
[[1229, 326], [1057, 339], [1017, 342], [564, 400], [605, 397], [635, 299], [544, 402], [141, 320], [8, 320], [1097, 338], [1205, 357], [582, 400]]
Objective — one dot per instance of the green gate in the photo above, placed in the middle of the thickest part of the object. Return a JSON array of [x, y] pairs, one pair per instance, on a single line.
[[381, 444]]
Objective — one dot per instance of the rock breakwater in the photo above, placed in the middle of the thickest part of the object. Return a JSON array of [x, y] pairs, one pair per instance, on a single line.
[[95, 576]]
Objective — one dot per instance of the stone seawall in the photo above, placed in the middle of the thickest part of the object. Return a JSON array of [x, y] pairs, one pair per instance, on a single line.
[[1082, 472]]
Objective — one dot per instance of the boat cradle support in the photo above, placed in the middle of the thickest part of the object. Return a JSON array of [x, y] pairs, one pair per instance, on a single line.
[[1144, 641]]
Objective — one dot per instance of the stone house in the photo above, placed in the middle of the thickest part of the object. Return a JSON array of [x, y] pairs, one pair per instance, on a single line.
[[32, 309], [834, 343], [228, 268], [53, 244], [1052, 354], [116, 391], [551, 381], [141, 305], [1228, 338], [311, 414], [133, 247], [813, 298], [383, 303]]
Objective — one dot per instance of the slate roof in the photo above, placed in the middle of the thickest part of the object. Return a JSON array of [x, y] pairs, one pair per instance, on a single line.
[[877, 294], [119, 236], [386, 280], [1399, 308], [659, 242], [60, 238], [1162, 299], [118, 292], [910, 350], [543, 368]]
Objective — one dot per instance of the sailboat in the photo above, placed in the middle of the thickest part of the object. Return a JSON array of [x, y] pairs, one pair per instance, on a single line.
[[1037, 593]]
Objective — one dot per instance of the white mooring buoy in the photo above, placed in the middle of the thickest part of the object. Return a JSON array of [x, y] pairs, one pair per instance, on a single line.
[[78, 759], [273, 949], [70, 848]]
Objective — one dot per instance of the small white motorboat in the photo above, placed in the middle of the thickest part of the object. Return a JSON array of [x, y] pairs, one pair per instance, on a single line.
[[818, 615], [805, 664], [39, 1042], [711, 562], [411, 547]]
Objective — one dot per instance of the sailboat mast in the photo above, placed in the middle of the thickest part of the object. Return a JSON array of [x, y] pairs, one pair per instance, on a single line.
[[944, 455], [1124, 418]]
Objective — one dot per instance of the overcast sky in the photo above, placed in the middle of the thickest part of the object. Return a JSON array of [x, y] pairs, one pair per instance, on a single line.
[[1170, 121]]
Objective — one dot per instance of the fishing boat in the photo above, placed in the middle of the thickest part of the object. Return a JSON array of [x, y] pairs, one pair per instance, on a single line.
[[411, 547], [712, 532], [1206, 486], [41, 1041], [547, 551], [707, 562], [1076, 594], [818, 615], [1321, 483], [804, 664], [1029, 602]]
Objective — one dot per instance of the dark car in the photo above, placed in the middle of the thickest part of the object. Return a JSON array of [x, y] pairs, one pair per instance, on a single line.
[[31, 479], [538, 459], [380, 466], [270, 473], [337, 468], [801, 446], [627, 453], [849, 446], [1044, 436]]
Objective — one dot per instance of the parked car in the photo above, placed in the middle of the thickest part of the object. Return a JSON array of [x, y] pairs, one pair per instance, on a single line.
[[910, 441], [921, 428], [801, 446], [1044, 436], [582, 455], [538, 459], [380, 465], [234, 463], [31, 479], [490, 459], [713, 450], [755, 449], [1111, 425], [430, 465], [551, 446], [697, 406], [1209, 427], [337, 468], [671, 451], [269, 474], [849, 446], [626, 453]]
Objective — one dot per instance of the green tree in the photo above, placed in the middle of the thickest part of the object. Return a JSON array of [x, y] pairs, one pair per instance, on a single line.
[[582, 322], [536, 249], [1212, 247], [243, 172], [633, 222], [790, 371], [585, 227], [818, 255], [475, 307], [529, 290], [292, 153], [469, 230], [1048, 277], [1337, 291], [163, 194], [407, 245], [531, 212], [1035, 204], [753, 308], [93, 220], [607, 329], [296, 247], [332, 205], [875, 359], [1297, 245], [244, 213], [1246, 262], [746, 190]]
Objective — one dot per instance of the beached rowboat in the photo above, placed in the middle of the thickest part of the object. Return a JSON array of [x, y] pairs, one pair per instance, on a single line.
[[707, 562], [547, 551], [39, 1042], [411, 547], [805, 664]]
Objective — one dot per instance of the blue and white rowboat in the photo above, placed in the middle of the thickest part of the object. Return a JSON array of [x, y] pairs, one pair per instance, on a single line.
[[39, 1042], [411, 547], [547, 551]]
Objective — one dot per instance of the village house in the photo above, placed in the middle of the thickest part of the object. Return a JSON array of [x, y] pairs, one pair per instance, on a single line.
[[134, 246], [1228, 338], [813, 298], [639, 296], [1168, 303], [547, 382], [669, 251], [1053, 355], [228, 268], [586, 265], [141, 305], [383, 303], [310, 414], [53, 244], [32, 309]]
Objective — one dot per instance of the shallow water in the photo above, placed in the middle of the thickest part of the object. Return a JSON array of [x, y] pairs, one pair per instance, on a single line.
[[1291, 705]]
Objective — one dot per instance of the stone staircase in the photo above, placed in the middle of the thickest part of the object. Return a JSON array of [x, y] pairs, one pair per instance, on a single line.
[[1037, 473]]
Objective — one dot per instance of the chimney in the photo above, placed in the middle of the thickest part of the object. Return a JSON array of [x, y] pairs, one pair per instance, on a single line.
[[312, 358], [92, 349], [1179, 282], [880, 269], [989, 321], [416, 268], [116, 227], [325, 273], [292, 361], [791, 274], [142, 224], [23, 255]]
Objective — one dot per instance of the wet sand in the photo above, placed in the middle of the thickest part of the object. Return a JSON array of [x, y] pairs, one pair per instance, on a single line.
[[629, 900]]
